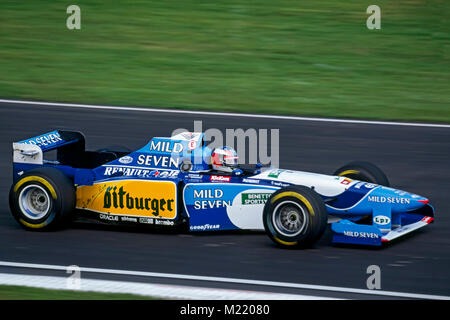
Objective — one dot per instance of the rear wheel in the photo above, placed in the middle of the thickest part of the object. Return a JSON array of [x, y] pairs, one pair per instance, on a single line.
[[295, 217], [363, 171], [42, 199]]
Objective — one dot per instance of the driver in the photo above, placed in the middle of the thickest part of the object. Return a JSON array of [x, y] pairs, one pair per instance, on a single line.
[[224, 159]]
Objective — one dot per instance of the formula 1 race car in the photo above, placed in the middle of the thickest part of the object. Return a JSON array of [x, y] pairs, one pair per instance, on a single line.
[[170, 182]]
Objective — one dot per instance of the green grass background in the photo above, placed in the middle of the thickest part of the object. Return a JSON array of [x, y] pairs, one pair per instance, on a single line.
[[285, 57], [29, 293]]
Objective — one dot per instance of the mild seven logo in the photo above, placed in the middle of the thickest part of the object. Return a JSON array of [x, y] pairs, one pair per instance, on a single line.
[[388, 200]]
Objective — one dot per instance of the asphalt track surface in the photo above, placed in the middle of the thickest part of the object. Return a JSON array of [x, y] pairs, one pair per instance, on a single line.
[[414, 158]]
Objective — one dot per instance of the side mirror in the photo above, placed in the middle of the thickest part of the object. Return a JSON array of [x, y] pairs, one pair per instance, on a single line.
[[237, 172], [186, 165]]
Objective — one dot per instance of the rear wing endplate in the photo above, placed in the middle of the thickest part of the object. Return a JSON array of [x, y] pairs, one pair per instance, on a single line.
[[31, 150]]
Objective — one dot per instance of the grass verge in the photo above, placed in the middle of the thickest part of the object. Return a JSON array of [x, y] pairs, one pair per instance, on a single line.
[[314, 58], [29, 293]]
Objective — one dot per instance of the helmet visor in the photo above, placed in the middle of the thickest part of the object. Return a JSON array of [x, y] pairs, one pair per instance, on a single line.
[[230, 161]]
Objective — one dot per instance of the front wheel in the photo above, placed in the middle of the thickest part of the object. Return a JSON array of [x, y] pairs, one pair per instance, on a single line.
[[295, 217], [363, 171], [42, 199]]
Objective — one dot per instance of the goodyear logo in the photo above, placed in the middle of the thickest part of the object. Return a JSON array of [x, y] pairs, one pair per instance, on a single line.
[[255, 198], [132, 198]]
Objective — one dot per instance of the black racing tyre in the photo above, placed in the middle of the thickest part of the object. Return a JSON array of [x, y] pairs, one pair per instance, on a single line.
[[295, 217], [42, 199], [363, 171]]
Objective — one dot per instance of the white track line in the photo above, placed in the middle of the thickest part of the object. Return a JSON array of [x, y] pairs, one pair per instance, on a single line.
[[146, 289], [229, 280], [226, 114]]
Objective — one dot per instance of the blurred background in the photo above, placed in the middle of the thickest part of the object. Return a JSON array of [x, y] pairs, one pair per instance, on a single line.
[[283, 57], [293, 57]]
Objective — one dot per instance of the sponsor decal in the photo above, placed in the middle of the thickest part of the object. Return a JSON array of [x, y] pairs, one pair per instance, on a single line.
[[246, 180], [192, 145], [126, 160], [279, 184], [220, 178], [166, 146], [146, 220], [205, 227], [45, 140], [365, 185], [127, 171], [108, 217], [151, 160], [194, 176], [130, 198], [346, 181], [165, 174], [275, 173], [356, 234], [209, 198], [136, 172], [255, 198], [381, 220], [396, 200], [123, 199], [128, 219], [208, 193], [400, 230], [164, 222], [427, 219], [189, 135]]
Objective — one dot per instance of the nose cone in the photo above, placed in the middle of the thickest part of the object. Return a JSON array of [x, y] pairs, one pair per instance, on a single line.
[[399, 200], [418, 201]]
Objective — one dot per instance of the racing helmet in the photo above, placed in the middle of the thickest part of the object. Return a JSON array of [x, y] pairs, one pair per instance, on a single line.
[[224, 159]]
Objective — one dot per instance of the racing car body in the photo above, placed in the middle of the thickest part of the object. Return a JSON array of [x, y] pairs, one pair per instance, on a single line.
[[168, 182]]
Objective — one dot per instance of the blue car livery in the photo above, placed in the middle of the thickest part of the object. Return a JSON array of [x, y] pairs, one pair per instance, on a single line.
[[169, 182]]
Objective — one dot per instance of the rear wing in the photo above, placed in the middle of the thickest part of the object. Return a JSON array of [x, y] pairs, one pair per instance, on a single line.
[[32, 150]]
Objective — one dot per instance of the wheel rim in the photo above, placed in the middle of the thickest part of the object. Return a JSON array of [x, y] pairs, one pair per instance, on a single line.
[[289, 218], [34, 202]]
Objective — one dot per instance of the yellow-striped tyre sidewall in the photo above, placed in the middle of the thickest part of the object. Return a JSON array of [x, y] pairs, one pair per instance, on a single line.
[[42, 182], [60, 193], [363, 171], [308, 200]]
